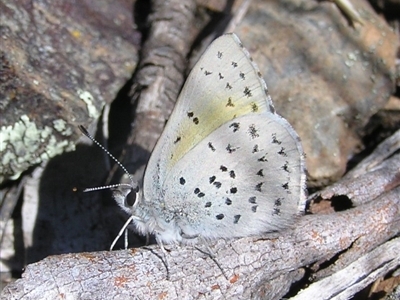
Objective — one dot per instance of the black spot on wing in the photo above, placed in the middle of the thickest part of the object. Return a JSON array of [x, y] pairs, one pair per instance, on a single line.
[[236, 219], [276, 211], [263, 158], [255, 149], [277, 205], [253, 200], [275, 140], [285, 167], [199, 193], [254, 107], [282, 152], [220, 216], [235, 126], [247, 92], [230, 103], [195, 120], [231, 149], [211, 146], [253, 131], [217, 184]]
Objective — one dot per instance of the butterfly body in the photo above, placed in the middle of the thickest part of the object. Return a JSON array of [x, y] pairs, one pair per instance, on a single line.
[[226, 165]]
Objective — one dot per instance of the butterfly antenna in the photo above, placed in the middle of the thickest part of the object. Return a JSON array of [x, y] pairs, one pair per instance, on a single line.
[[86, 133]]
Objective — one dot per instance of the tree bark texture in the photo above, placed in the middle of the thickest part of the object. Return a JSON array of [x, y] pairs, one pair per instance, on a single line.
[[332, 77]]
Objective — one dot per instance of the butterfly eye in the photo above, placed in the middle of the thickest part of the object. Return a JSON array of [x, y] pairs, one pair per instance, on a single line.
[[131, 197]]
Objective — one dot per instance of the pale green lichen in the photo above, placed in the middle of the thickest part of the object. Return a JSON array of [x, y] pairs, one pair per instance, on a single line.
[[7, 157], [45, 133], [61, 126], [87, 97], [21, 146], [4, 136]]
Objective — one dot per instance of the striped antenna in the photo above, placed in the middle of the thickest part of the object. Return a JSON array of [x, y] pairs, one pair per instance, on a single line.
[[86, 133]]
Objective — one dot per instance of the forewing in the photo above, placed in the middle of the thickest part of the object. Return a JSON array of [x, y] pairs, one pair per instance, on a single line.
[[224, 84]]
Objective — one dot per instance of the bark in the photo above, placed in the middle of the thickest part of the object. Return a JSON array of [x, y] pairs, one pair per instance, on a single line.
[[59, 66], [325, 76], [340, 253]]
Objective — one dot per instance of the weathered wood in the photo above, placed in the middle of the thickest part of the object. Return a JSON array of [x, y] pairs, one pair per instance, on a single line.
[[60, 63], [255, 266], [356, 276], [159, 76], [322, 245], [318, 69]]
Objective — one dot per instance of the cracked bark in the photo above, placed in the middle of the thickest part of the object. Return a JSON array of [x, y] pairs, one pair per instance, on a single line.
[[323, 245], [340, 252]]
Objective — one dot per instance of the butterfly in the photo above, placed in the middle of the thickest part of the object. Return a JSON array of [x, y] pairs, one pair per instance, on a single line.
[[226, 165]]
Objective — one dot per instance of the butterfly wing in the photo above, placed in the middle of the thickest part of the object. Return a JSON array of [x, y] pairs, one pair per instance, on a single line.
[[245, 178], [224, 84]]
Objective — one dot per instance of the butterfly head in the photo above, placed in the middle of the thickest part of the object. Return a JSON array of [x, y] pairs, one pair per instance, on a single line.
[[145, 215], [127, 196]]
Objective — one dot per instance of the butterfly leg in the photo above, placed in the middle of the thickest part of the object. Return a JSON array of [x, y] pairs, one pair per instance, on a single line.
[[210, 253], [201, 240], [123, 229], [165, 260]]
